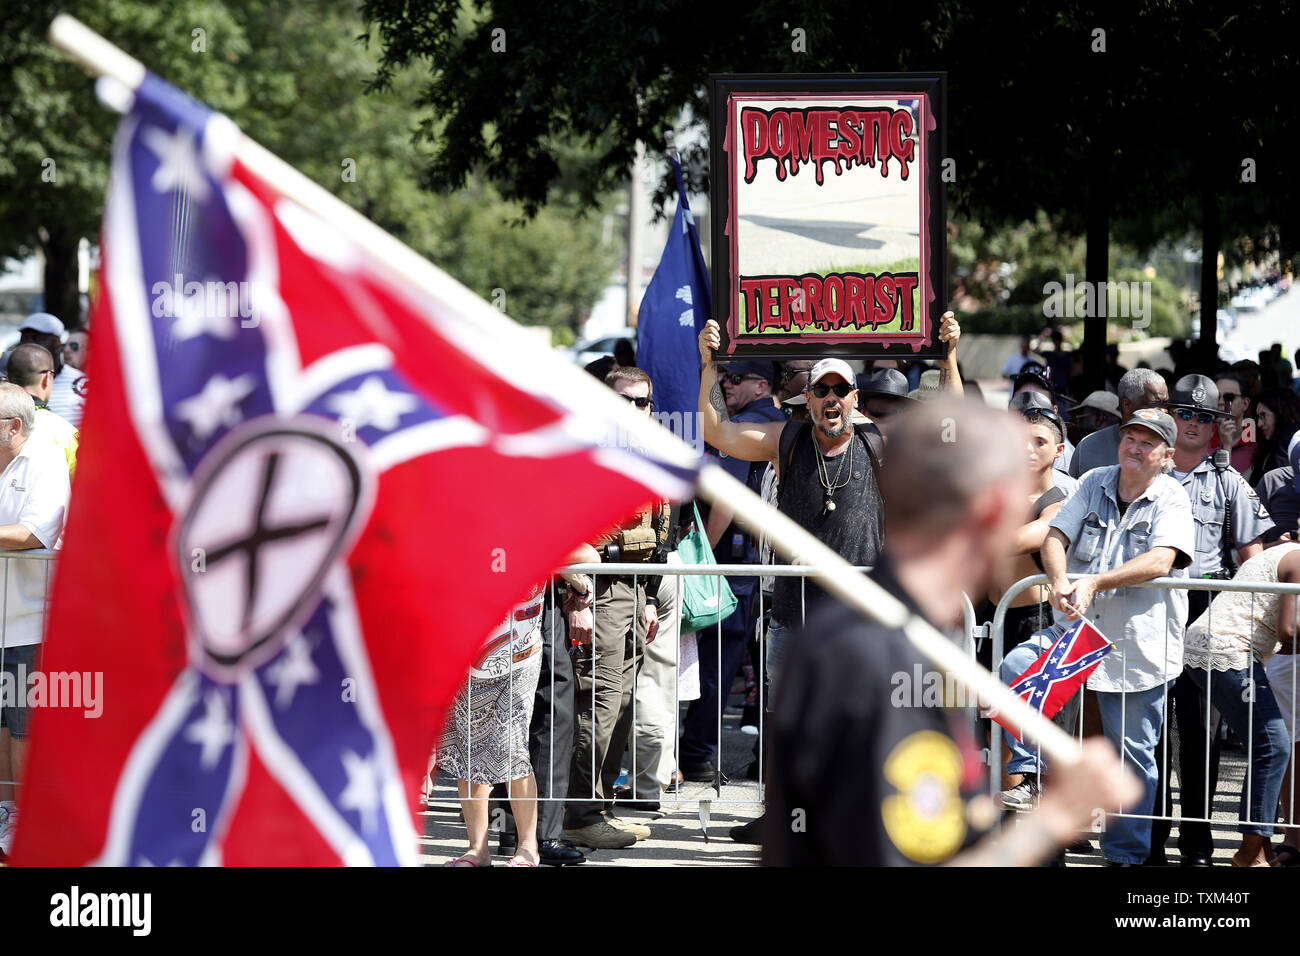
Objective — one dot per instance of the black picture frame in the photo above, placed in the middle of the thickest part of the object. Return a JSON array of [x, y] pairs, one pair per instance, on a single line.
[[726, 90]]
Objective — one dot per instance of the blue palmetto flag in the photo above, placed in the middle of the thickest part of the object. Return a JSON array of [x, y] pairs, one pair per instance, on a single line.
[[673, 311]]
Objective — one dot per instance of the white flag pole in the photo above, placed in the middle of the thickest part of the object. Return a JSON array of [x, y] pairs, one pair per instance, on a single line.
[[454, 301]]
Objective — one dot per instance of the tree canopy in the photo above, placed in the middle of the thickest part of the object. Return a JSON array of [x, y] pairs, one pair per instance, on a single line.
[[293, 75]]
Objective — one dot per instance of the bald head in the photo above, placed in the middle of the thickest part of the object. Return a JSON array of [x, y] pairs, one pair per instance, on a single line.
[[31, 368], [943, 456]]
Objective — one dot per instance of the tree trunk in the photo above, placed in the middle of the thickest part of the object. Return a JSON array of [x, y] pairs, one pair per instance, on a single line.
[[61, 294], [1097, 259], [1210, 239]]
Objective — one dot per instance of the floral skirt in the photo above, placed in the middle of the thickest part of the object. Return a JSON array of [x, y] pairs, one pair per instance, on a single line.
[[486, 737]]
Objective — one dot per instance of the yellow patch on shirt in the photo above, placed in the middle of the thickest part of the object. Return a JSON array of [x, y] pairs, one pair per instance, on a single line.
[[925, 819]]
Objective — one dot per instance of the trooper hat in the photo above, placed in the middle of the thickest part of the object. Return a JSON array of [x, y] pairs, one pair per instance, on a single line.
[[889, 382], [1155, 420], [1197, 392]]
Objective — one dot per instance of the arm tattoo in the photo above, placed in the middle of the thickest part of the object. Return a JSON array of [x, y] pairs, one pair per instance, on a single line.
[[718, 402]]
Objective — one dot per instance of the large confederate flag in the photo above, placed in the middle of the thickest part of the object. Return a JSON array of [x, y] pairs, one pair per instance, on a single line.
[[307, 491]]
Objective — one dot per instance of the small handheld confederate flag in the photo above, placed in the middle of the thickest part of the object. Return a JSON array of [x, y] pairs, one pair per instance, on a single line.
[[1060, 671], [308, 490]]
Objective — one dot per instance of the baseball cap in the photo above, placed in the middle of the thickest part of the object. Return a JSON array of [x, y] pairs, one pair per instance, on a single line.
[[828, 365], [1155, 420], [1197, 392], [44, 323], [1035, 372], [764, 370], [1100, 401]]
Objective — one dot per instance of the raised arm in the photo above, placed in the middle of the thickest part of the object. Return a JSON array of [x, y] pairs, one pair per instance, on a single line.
[[748, 441], [949, 377]]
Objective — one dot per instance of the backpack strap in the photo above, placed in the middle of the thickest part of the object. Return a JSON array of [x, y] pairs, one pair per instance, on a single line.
[[1048, 498], [790, 435]]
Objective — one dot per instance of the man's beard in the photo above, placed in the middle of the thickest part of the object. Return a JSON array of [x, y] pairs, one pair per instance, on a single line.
[[835, 430]]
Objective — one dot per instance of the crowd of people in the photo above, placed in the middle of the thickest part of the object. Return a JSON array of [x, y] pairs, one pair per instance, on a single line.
[[41, 401], [1184, 473]]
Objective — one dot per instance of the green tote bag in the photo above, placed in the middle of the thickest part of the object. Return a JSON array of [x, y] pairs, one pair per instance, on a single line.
[[706, 599]]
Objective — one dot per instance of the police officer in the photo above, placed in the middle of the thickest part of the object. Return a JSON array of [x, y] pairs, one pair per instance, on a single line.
[[1230, 525]]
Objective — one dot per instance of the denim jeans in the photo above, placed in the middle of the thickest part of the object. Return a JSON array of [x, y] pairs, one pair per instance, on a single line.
[[1135, 716], [1261, 723], [778, 641]]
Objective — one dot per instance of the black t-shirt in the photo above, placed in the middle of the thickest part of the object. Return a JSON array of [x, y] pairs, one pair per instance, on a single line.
[[863, 772], [854, 530]]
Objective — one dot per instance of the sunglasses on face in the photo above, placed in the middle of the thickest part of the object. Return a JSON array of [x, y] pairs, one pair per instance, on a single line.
[[640, 401], [841, 389], [735, 379], [1186, 414], [75, 346], [1227, 398]]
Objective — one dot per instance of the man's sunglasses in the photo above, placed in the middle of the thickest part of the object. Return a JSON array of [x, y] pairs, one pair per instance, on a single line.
[[841, 389], [640, 401], [1186, 414], [75, 346], [735, 379], [1227, 398]]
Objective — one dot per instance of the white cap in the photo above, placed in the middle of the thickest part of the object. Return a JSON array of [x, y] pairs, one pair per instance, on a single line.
[[44, 323], [828, 365]]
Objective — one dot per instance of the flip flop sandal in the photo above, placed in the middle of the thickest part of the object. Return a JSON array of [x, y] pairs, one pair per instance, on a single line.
[[520, 861], [1248, 866], [1286, 855], [465, 859]]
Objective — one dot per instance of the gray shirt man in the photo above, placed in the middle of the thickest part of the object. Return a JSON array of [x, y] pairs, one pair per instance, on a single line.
[[1144, 624]]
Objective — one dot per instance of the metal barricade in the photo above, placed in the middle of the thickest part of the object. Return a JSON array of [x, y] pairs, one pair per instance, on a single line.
[[1165, 812], [740, 794]]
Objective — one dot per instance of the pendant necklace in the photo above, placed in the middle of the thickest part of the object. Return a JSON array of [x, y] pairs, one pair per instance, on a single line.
[[832, 485]]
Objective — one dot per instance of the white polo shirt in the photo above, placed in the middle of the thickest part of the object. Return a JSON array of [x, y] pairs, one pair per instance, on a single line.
[[34, 492], [68, 396]]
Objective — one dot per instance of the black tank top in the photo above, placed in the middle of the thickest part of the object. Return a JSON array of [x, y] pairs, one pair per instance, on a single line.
[[854, 530]]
